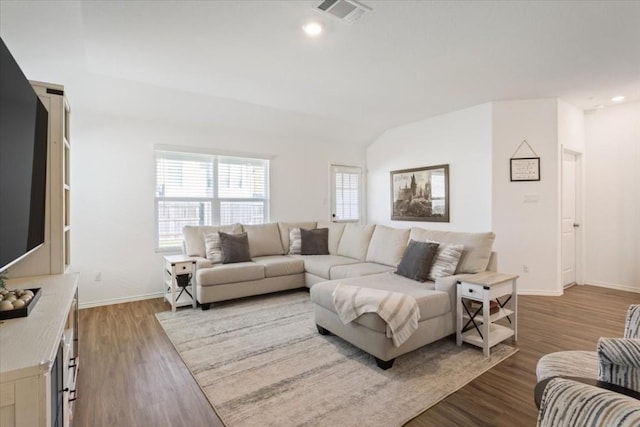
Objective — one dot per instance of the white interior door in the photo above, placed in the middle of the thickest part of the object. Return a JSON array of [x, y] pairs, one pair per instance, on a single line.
[[569, 224]]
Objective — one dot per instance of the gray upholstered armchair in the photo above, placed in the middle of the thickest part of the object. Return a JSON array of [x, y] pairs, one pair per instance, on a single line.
[[616, 361], [566, 403]]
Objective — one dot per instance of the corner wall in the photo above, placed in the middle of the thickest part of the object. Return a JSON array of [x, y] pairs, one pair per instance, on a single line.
[[612, 206], [526, 214], [461, 139], [113, 182]]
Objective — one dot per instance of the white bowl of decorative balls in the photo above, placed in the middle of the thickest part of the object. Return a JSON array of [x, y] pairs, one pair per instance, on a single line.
[[12, 300]]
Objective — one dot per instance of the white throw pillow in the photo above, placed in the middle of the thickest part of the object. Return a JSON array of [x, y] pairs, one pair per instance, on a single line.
[[446, 261], [213, 247], [295, 241]]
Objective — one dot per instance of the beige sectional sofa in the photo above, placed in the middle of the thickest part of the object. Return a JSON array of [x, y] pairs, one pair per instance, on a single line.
[[359, 255]]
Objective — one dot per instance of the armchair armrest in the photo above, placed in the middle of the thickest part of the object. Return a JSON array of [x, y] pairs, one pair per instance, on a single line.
[[619, 362], [619, 351], [568, 403], [632, 322]]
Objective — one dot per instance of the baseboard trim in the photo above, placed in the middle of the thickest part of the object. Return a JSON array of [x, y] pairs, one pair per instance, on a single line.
[[120, 300], [540, 293], [614, 286]]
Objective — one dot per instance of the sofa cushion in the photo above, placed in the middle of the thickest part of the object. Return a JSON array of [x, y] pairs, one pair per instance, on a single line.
[[335, 233], [446, 260], [314, 242], [387, 245], [264, 239], [355, 241], [417, 260], [358, 269], [230, 273], [194, 237], [431, 303], [477, 246], [235, 248], [320, 265], [285, 228], [280, 265]]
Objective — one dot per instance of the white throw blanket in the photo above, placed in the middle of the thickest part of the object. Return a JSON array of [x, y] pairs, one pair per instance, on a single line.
[[399, 311]]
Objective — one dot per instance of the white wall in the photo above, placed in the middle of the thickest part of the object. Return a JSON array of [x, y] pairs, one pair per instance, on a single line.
[[113, 192], [527, 233], [612, 217], [461, 139]]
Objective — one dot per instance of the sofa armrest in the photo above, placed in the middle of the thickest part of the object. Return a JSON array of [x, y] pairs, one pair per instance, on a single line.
[[446, 283]]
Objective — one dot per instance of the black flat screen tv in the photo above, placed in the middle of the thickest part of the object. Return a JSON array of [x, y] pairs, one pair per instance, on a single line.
[[24, 123]]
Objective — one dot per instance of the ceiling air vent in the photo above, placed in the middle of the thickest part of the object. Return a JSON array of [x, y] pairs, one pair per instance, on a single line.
[[348, 11]]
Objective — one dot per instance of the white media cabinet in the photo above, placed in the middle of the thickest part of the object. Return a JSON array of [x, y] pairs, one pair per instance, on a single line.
[[39, 355]]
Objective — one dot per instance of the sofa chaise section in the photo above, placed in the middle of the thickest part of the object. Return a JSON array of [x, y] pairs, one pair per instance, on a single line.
[[368, 332]]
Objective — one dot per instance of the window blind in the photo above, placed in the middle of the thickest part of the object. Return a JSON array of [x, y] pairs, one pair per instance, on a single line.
[[205, 189]]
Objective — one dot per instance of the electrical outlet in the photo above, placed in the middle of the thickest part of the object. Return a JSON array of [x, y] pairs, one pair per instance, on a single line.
[[525, 268], [98, 276]]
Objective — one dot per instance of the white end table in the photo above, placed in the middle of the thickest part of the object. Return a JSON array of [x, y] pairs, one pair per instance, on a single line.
[[477, 326], [174, 291]]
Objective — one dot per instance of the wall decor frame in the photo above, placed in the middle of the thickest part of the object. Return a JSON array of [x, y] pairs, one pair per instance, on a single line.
[[420, 194], [525, 169]]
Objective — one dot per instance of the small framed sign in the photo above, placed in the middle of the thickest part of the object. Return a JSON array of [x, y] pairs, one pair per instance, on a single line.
[[525, 169]]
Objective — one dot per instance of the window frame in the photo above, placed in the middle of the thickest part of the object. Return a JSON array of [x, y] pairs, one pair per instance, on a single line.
[[215, 201]]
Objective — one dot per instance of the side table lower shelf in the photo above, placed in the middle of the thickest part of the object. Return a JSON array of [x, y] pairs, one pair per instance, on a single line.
[[497, 334]]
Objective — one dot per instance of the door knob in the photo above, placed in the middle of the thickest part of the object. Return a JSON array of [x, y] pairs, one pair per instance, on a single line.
[[576, 225]]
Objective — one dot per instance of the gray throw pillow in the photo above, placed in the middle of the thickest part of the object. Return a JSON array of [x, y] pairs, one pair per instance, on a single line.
[[417, 260], [314, 242], [235, 248]]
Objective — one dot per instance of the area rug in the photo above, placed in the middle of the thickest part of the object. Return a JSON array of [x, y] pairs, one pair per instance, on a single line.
[[260, 361]]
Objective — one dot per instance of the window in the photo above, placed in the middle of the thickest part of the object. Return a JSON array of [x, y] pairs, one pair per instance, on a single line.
[[346, 183], [205, 189]]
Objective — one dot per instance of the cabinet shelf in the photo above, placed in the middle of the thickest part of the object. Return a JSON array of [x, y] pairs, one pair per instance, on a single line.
[[32, 372]]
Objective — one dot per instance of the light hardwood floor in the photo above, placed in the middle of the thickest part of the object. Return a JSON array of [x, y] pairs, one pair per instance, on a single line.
[[130, 374]]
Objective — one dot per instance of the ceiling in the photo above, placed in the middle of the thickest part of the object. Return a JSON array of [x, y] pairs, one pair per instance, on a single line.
[[248, 63]]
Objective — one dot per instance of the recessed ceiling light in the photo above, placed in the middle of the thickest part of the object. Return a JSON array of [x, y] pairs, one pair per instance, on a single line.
[[618, 98], [312, 29]]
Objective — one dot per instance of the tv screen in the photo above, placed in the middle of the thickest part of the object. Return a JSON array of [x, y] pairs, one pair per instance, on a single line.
[[23, 163]]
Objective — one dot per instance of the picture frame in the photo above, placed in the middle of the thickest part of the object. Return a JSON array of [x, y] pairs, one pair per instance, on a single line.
[[525, 169], [420, 194]]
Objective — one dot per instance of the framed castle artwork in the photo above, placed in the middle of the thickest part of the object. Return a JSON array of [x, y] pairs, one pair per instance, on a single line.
[[420, 194]]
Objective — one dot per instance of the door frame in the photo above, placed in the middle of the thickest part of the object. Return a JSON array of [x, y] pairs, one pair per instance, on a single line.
[[579, 218]]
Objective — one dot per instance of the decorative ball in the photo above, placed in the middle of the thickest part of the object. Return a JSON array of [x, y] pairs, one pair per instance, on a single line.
[[25, 298], [10, 298], [6, 306], [28, 292], [19, 303]]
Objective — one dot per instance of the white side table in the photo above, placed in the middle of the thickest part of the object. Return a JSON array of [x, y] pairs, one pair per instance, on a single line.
[[477, 326], [179, 291]]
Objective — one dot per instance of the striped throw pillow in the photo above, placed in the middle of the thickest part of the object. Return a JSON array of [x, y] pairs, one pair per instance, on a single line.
[[446, 261], [295, 241], [213, 247]]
